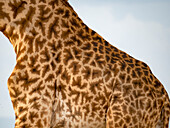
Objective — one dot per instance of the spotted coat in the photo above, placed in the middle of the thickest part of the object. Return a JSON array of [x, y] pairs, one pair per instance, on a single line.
[[68, 76]]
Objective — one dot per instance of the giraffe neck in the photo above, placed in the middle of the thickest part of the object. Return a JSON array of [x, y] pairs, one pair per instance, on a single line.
[[33, 25]]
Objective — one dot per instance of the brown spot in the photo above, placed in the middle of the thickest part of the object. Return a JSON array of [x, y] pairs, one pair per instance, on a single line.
[[34, 68], [145, 80], [77, 41], [32, 116], [75, 95], [139, 72], [67, 56], [137, 83], [127, 90], [65, 34], [49, 78], [59, 11], [116, 119], [145, 66], [39, 43], [22, 110], [124, 109], [134, 74], [45, 70], [30, 14], [38, 89], [96, 86], [52, 29], [68, 43], [75, 66], [87, 57], [95, 49], [115, 70], [55, 45], [53, 65], [132, 110], [77, 53], [36, 106], [121, 122], [95, 107], [58, 58], [107, 74], [123, 66], [86, 72], [138, 94], [45, 56], [64, 24], [122, 77], [117, 98], [146, 73], [117, 86], [86, 46], [157, 84], [26, 81], [148, 105], [128, 79], [23, 118], [142, 103], [65, 76], [134, 119], [75, 23], [54, 3], [67, 14], [96, 73], [25, 22], [99, 59], [17, 7], [45, 13], [107, 58], [84, 36], [39, 124], [30, 41], [59, 70]]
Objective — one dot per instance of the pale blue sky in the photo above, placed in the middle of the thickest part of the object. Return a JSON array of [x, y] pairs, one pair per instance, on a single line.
[[139, 27]]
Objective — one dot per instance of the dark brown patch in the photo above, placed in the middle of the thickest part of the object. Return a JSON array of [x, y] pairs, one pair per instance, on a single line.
[[45, 70], [30, 41], [65, 34], [77, 53], [65, 76], [99, 59], [17, 7], [127, 90], [122, 77], [86, 72], [67, 56], [96, 86], [52, 29], [79, 83], [39, 43], [26, 81], [96, 74], [45, 56], [32, 116], [75, 66]]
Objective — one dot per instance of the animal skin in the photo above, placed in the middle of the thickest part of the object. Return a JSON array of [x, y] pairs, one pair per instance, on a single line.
[[68, 76]]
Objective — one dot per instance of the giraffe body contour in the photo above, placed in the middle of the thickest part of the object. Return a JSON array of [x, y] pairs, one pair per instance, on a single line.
[[68, 76]]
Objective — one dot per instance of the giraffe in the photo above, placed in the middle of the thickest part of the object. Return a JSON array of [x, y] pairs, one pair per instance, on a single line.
[[68, 76]]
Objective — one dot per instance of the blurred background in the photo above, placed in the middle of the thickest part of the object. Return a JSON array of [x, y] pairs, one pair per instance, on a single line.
[[140, 28]]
